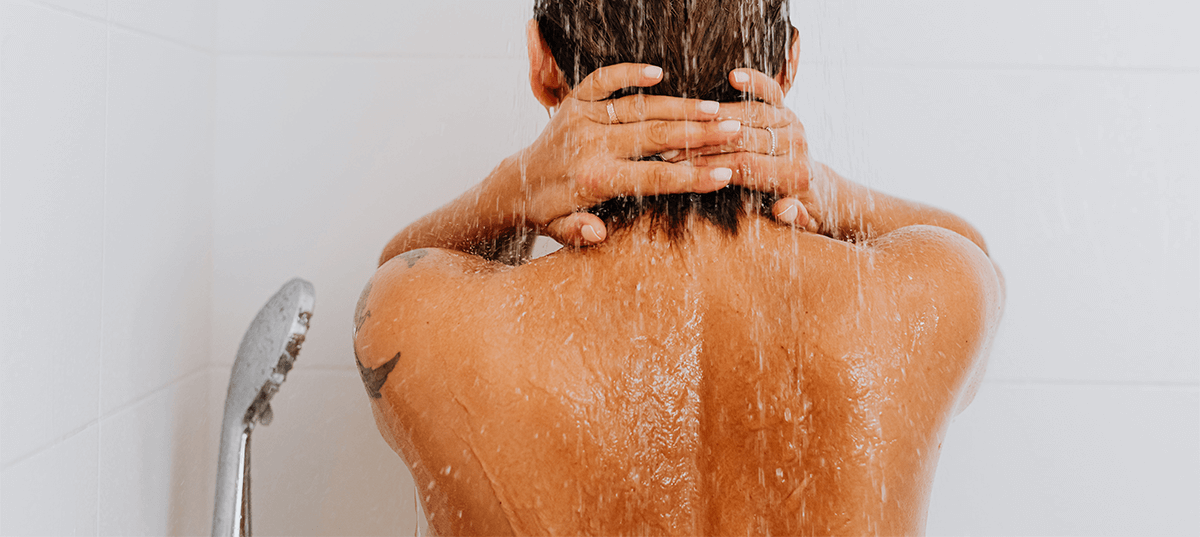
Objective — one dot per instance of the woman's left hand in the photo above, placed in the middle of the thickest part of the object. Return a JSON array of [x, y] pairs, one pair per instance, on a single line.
[[771, 153]]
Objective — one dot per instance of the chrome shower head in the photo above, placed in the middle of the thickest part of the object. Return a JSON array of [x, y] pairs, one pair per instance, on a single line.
[[264, 358]]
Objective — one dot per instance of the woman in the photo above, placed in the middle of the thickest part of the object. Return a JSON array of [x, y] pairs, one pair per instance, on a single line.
[[696, 368]]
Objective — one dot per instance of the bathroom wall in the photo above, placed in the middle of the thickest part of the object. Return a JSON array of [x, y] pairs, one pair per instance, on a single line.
[[337, 124], [1067, 132], [165, 166], [1064, 130], [106, 275]]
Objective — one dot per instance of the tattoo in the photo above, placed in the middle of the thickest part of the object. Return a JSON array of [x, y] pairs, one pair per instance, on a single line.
[[373, 379], [361, 313], [413, 256]]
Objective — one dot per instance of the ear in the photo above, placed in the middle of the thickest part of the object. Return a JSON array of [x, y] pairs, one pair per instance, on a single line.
[[545, 79], [787, 75]]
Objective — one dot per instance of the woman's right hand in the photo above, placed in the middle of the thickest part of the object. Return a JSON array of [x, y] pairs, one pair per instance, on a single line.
[[586, 155]]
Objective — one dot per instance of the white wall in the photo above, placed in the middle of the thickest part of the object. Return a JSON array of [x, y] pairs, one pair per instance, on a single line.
[[337, 124], [1066, 131], [106, 227]]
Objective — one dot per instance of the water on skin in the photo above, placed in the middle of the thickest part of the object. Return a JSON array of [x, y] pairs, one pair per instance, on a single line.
[[662, 406]]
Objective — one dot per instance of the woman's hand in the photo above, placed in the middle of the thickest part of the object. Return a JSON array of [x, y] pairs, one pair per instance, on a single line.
[[590, 152], [770, 155]]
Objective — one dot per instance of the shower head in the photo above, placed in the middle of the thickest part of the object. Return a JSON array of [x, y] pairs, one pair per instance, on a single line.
[[264, 358]]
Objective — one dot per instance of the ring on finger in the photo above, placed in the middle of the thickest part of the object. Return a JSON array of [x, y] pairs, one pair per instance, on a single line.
[[612, 113], [774, 141]]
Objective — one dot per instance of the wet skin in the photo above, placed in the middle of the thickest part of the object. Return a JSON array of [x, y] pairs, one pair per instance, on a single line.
[[770, 383]]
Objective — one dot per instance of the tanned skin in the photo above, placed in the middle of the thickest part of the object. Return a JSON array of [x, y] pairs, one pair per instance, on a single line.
[[776, 382]]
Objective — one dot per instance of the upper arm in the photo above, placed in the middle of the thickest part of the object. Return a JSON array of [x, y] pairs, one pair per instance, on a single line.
[[948, 297], [405, 293], [417, 327]]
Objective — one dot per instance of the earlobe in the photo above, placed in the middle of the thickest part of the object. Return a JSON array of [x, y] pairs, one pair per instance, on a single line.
[[545, 80]]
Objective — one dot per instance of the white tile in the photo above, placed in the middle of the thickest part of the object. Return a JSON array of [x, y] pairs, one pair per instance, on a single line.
[[91, 8], [190, 21], [51, 211], [321, 467], [448, 29], [1085, 185], [155, 471], [197, 438], [1071, 460], [1092, 33], [158, 218], [321, 161], [53, 492]]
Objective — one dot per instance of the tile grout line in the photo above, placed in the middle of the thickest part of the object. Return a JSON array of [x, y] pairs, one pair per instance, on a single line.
[[951, 66], [117, 411], [111, 24], [1068, 383], [358, 55], [103, 234], [52, 443]]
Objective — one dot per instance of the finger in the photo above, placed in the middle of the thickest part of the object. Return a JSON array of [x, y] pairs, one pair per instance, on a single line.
[[752, 141], [785, 176], [607, 80], [636, 108], [757, 114], [757, 84], [646, 138], [791, 212], [647, 178], [577, 229]]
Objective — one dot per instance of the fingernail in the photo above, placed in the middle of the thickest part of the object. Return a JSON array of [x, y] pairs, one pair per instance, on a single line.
[[721, 175], [652, 72], [788, 215], [668, 155], [709, 107], [739, 76], [590, 235], [729, 125]]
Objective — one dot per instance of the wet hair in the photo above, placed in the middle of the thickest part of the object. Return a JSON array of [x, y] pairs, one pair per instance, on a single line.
[[697, 43]]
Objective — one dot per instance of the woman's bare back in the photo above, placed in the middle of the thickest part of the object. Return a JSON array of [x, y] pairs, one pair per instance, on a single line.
[[771, 382]]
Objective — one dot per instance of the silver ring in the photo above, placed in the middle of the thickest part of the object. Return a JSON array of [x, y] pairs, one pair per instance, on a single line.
[[774, 141], [612, 113]]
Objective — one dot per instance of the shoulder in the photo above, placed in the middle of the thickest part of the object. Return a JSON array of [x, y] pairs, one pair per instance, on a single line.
[[933, 265], [938, 297], [411, 303], [422, 330]]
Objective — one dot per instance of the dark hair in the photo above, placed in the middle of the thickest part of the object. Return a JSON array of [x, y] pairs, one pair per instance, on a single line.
[[697, 43]]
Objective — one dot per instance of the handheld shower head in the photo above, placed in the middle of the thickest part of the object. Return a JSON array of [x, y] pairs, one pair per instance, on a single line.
[[264, 358]]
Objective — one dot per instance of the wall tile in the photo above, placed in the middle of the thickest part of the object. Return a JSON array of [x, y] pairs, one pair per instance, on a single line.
[[153, 456], [321, 467], [1092, 33], [450, 29], [189, 21], [1071, 460], [52, 492], [91, 8], [51, 213], [321, 160], [1084, 183], [158, 222]]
